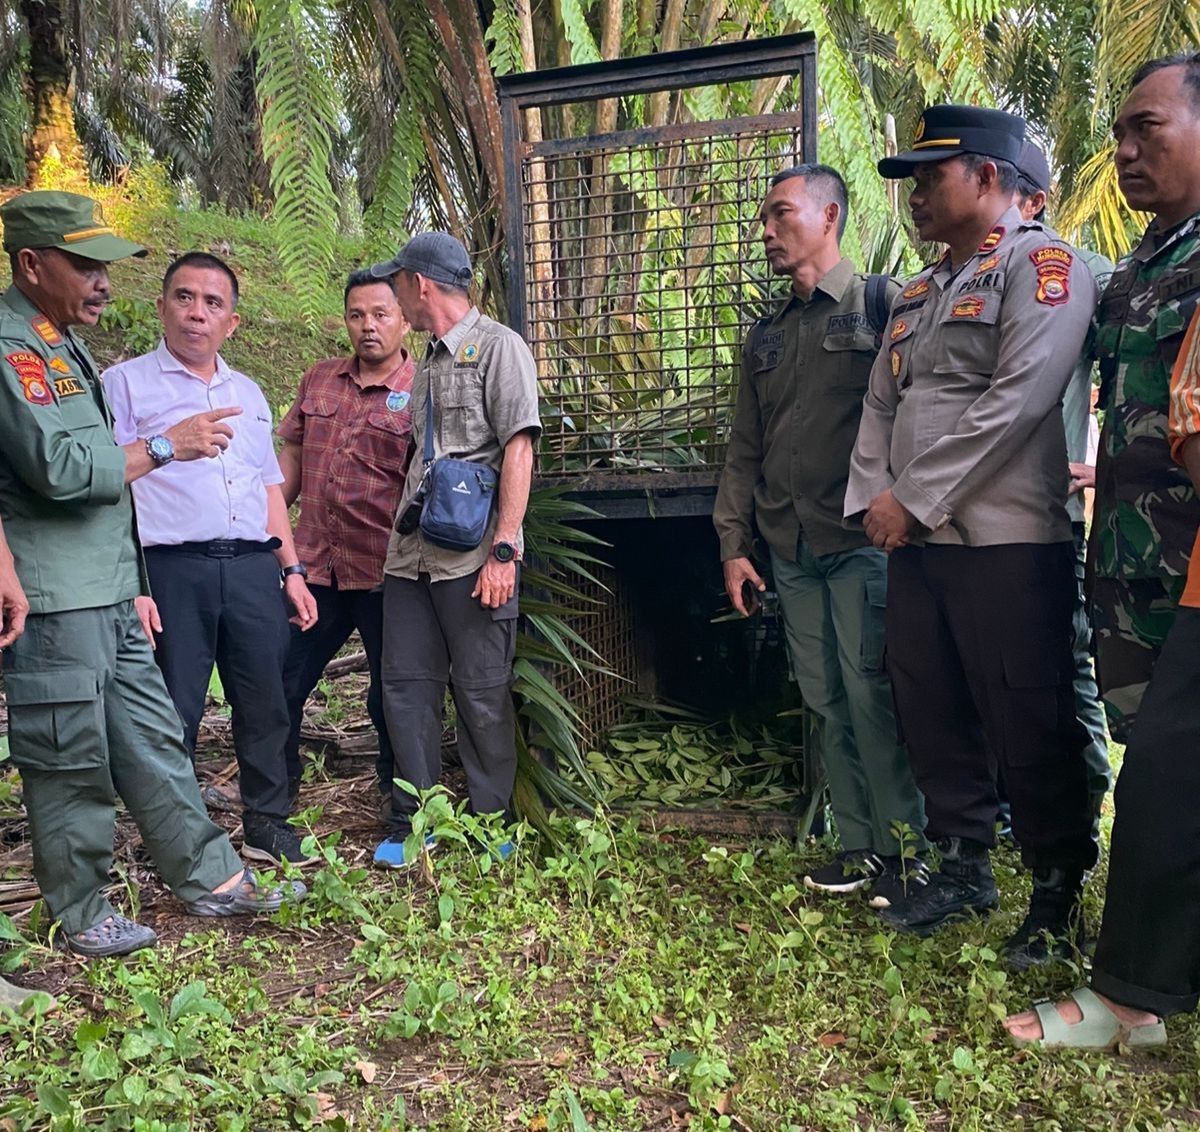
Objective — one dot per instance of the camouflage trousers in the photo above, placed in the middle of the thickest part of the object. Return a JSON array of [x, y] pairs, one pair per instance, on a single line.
[[1132, 617]]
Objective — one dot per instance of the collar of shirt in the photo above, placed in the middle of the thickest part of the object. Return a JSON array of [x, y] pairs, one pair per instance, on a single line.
[[169, 363], [1157, 240], [393, 380], [833, 284], [454, 336]]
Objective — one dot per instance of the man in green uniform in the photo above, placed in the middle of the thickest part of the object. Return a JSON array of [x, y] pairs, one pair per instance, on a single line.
[[804, 373], [1146, 510], [89, 715]]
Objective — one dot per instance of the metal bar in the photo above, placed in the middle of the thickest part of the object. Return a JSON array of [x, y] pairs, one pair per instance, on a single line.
[[671, 70], [514, 226]]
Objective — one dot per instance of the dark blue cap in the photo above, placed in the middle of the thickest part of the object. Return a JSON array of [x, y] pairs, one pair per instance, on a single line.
[[948, 131]]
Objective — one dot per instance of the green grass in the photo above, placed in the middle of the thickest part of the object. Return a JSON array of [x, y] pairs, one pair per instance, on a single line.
[[631, 981]]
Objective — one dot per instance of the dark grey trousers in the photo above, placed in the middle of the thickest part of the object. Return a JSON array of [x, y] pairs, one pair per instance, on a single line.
[[434, 634]]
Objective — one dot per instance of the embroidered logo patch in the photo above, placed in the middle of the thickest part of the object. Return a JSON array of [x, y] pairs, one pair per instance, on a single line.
[[920, 287], [397, 401], [967, 308], [1053, 274], [59, 366], [68, 386], [32, 372], [920, 130], [987, 265], [900, 328], [468, 353], [992, 240], [895, 363], [44, 329]]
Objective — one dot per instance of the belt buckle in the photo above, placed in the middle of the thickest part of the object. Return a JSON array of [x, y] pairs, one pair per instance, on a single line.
[[222, 548]]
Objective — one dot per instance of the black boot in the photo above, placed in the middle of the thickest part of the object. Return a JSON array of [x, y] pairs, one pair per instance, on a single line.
[[1053, 929], [962, 887]]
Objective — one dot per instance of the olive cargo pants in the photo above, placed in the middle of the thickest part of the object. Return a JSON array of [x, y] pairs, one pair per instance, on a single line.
[[90, 718]]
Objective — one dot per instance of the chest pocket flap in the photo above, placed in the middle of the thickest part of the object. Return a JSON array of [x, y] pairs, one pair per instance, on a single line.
[[968, 332]]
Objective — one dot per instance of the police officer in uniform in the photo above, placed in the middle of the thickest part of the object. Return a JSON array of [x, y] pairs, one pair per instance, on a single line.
[[960, 472], [89, 716]]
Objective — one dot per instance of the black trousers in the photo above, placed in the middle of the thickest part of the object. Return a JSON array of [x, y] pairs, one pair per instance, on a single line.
[[979, 654], [231, 612], [339, 613], [435, 633], [1148, 954]]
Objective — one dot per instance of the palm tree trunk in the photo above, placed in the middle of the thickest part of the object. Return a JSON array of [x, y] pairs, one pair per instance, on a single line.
[[52, 139]]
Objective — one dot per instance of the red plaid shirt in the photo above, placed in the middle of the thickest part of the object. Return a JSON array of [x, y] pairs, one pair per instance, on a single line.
[[356, 444]]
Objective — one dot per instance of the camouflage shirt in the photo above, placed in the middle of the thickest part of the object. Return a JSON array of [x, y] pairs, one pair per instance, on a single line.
[[1146, 511]]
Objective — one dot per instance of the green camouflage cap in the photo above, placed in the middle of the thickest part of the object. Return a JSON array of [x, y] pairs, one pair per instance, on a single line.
[[67, 221]]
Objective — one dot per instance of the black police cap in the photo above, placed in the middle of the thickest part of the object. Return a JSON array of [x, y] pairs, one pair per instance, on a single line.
[[949, 130]]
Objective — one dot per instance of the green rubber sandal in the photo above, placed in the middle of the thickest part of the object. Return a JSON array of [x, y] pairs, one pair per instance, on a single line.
[[1099, 1028]]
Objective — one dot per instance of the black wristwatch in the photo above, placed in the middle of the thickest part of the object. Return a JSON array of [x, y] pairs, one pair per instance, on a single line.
[[160, 449], [297, 568], [504, 551]]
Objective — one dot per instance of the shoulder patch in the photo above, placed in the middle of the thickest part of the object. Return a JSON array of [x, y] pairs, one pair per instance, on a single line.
[[920, 287], [992, 240], [44, 329], [31, 371], [967, 308], [1053, 274]]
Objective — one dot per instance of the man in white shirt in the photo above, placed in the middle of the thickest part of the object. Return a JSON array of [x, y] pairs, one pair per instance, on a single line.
[[208, 529]]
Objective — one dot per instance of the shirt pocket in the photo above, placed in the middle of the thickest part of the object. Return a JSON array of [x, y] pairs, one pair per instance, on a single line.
[[1171, 322], [969, 335], [386, 438], [847, 357], [463, 425]]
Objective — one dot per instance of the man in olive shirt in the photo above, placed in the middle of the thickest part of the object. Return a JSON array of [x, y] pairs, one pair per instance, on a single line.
[[804, 373], [451, 615], [89, 715]]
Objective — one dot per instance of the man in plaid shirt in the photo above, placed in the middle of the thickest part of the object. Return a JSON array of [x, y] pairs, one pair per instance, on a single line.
[[347, 441]]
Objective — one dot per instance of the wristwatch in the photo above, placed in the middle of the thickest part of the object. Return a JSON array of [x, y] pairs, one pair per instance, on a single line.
[[161, 450], [295, 568], [504, 551]]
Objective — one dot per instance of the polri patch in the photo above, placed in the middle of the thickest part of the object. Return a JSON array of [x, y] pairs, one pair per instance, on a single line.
[[32, 373], [397, 401], [44, 329], [967, 308], [1053, 274], [58, 365], [992, 240], [839, 323], [920, 287]]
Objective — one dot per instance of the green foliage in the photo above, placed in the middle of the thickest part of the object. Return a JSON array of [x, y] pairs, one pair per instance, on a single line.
[[504, 35], [299, 112]]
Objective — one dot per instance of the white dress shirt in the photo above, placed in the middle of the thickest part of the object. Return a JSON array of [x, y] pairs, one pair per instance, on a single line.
[[196, 500]]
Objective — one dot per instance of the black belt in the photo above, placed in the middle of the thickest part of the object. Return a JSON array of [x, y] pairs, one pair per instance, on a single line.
[[220, 547]]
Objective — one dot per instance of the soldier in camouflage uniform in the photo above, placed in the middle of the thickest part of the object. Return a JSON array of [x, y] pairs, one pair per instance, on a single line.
[[1146, 510]]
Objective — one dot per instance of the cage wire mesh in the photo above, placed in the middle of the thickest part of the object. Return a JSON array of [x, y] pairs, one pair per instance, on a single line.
[[644, 278]]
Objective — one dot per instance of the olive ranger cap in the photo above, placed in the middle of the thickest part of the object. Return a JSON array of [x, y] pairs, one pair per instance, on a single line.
[[436, 255], [949, 130], [67, 221]]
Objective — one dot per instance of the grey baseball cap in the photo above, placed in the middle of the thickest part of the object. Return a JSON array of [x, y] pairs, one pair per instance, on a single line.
[[1033, 164], [435, 255]]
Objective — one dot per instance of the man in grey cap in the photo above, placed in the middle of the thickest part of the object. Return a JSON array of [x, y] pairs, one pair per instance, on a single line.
[[89, 716], [1033, 189], [958, 472], [449, 615]]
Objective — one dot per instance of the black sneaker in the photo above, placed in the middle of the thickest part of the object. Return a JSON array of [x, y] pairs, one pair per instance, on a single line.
[[1053, 929], [272, 840], [899, 881], [962, 887], [849, 871]]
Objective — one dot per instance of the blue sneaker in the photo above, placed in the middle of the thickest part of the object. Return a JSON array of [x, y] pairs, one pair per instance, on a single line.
[[504, 850], [390, 853]]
